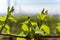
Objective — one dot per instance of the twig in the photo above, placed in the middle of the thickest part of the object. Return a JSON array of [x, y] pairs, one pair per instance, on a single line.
[[12, 35], [27, 36]]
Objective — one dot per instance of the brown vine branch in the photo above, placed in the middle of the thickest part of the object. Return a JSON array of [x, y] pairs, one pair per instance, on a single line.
[[27, 36], [12, 35]]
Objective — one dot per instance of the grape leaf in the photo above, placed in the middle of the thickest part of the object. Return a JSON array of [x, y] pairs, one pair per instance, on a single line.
[[7, 29], [0, 26], [25, 27], [58, 28], [35, 25], [40, 32], [26, 22], [41, 16], [2, 18], [12, 18], [20, 38], [46, 29]]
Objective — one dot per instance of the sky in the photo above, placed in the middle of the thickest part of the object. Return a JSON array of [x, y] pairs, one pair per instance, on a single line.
[[31, 6]]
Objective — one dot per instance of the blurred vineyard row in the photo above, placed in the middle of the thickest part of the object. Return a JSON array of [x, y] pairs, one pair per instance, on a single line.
[[40, 24]]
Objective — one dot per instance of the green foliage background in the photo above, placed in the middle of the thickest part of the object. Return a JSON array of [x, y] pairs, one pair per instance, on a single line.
[[39, 24]]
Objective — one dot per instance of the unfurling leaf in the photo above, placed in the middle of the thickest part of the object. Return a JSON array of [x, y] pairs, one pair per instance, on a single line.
[[46, 12], [41, 16], [8, 9], [43, 11], [12, 9]]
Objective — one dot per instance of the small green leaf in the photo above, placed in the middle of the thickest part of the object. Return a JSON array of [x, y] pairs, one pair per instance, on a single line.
[[58, 28], [41, 16], [20, 38], [25, 27], [58, 23], [35, 25], [46, 29], [2, 18], [40, 32], [0, 26], [26, 22], [7, 29], [12, 18], [32, 39]]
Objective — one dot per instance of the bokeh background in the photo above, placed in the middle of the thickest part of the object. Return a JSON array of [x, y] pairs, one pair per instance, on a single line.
[[25, 8]]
